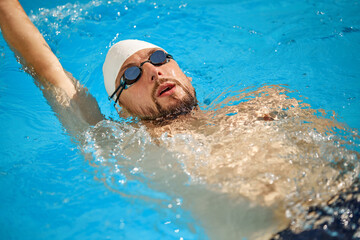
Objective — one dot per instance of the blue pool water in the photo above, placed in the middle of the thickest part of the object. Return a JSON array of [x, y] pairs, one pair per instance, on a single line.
[[54, 187]]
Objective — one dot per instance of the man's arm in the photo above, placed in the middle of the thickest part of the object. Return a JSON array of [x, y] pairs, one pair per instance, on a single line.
[[74, 105], [27, 41]]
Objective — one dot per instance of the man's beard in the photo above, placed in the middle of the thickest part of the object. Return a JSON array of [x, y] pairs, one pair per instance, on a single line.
[[181, 107]]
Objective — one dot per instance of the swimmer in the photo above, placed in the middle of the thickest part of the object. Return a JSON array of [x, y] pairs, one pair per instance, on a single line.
[[142, 78], [146, 82]]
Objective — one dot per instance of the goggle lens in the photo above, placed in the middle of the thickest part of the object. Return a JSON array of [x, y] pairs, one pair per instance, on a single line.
[[131, 74], [158, 57]]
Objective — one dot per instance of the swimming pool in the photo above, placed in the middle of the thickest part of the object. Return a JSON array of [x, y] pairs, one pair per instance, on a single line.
[[56, 186]]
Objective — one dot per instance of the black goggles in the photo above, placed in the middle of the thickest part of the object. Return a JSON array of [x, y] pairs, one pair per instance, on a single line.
[[132, 74]]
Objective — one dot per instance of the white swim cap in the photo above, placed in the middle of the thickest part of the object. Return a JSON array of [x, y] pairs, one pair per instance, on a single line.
[[116, 57]]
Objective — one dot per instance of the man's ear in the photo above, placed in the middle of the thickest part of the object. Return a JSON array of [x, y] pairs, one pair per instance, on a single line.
[[189, 78]]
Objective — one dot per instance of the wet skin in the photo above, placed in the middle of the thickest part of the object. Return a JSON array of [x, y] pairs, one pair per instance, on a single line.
[[160, 91]]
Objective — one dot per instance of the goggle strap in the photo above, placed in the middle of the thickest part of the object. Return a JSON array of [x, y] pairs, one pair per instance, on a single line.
[[118, 96], [148, 61], [115, 91]]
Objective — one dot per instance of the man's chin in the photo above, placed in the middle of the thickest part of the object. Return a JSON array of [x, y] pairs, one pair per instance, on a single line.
[[177, 108]]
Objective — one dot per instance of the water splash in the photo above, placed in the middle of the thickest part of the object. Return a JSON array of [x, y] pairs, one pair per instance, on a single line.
[[273, 149]]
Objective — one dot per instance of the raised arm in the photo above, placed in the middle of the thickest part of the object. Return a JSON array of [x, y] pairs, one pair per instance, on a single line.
[[74, 105], [26, 41]]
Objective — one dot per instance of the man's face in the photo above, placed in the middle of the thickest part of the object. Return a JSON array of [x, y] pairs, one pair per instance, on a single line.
[[160, 91]]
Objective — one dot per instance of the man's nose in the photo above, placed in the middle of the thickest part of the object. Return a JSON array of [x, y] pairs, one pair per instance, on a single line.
[[152, 72]]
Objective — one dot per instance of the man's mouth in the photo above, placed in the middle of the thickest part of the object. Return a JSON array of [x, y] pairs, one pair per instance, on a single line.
[[166, 89]]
